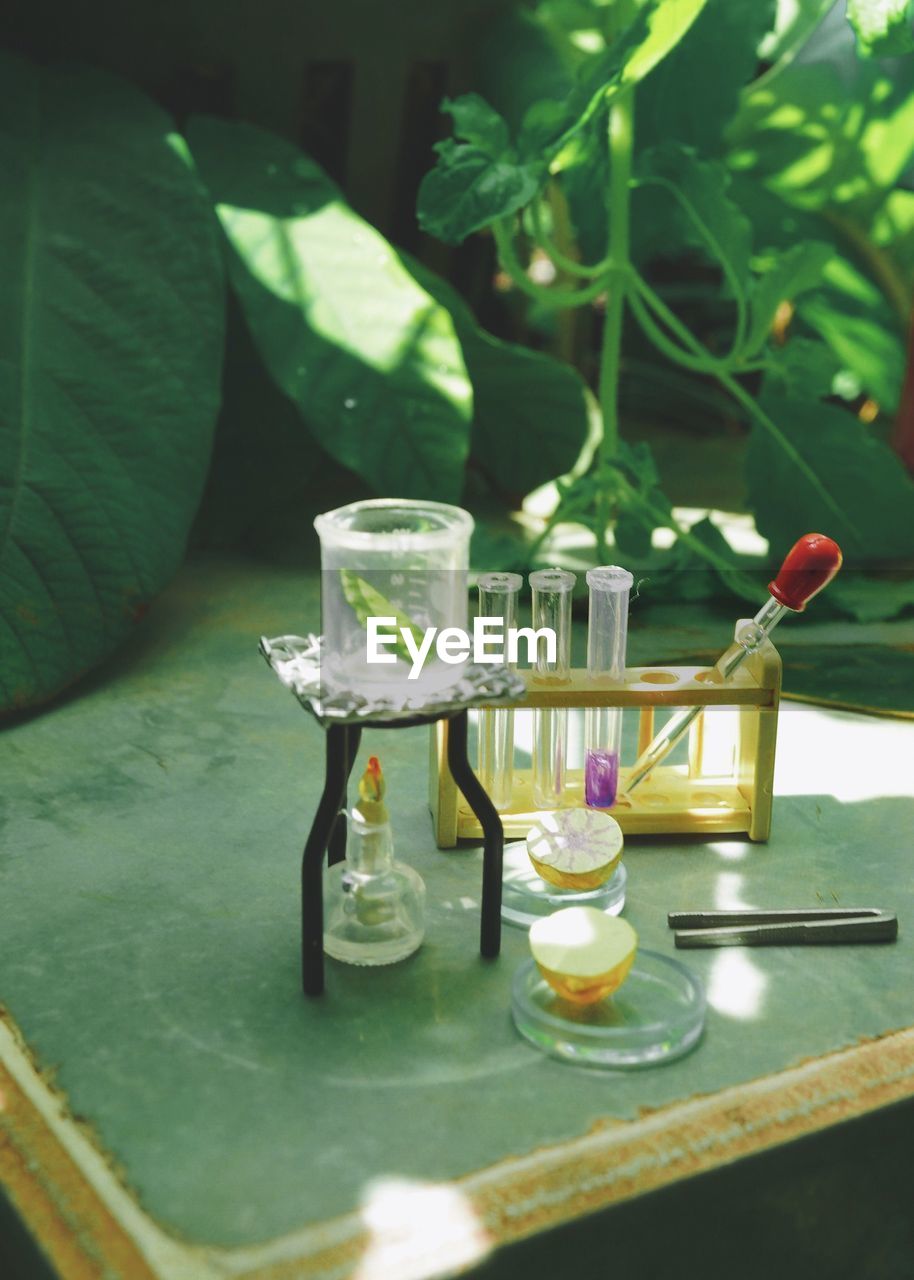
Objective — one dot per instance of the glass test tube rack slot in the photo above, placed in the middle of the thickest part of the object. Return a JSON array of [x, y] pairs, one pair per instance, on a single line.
[[695, 798]]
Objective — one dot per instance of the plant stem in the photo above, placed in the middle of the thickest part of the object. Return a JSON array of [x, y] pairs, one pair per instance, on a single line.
[[753, 409], [552, 250], [565, 513], [546, 294], [717, 252], [685, 535], [621, 143], [651, 329]]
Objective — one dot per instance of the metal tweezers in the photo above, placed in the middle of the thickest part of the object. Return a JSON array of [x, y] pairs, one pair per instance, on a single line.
[[803, 927]]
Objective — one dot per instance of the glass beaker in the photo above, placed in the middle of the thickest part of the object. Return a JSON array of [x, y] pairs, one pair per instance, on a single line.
[[393, 577]]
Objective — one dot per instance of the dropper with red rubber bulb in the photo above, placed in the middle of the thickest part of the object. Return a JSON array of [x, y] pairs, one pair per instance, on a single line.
[[810, 565]]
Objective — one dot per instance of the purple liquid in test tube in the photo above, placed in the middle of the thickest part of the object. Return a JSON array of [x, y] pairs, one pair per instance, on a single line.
[[607, 633], [601, 778]]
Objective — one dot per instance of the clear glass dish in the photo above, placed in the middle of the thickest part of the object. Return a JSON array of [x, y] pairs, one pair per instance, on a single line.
[[656, 1016], [526, 896]]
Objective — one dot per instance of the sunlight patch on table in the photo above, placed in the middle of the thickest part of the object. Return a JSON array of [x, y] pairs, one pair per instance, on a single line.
[[418, 1229], [729, 850], [842, 754], [736, 986], [728, 892]]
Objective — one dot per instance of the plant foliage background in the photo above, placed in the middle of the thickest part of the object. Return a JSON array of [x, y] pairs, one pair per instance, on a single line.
[[679, 210]]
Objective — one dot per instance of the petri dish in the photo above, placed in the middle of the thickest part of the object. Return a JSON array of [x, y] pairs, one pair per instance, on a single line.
[[526, 896], [656, 1016]]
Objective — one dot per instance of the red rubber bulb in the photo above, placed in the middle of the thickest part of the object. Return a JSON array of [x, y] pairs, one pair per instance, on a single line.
[[810, 565]]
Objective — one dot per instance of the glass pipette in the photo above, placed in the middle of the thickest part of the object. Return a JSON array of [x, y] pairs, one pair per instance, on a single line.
[[810, 565], [498, 599], [552, 590]]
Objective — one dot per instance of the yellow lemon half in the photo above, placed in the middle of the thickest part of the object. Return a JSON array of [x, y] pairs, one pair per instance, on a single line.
[[575, 848], [583, 954]]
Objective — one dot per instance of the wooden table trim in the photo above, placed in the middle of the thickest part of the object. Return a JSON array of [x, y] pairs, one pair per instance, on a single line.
[[90, 1225]]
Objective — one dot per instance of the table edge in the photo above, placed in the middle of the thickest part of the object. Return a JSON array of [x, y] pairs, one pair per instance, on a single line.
[[88, 1221]]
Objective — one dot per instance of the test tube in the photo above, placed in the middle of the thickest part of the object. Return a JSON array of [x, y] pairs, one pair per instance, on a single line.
[[495, 753], [607, 633], [552, 590]]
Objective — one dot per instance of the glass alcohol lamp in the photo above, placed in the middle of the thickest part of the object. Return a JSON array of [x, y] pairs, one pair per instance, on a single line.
[[375, 905]]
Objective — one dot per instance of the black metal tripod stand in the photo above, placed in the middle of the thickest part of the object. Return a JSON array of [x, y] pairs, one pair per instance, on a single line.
[[328, 835]]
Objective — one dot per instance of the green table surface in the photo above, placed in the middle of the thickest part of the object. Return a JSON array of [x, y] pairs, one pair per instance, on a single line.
[[152, 824]]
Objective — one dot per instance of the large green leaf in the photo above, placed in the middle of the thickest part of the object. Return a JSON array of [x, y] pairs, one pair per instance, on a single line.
[[478, 178], [883, 27], [369, 357], [481, 178], [788, 275], [688, 197], [820, 139], [584, 185], [695, 90], [860, 320], [667, 23], [795, 22], [259, 482], [111, 318], [532, 415], [642, 504], [803, 368], [517, 65], [873, 351], [656, 27], [852, 316], [468, 189], [532, 421], [478, 123], [874, 599], [893, 225], [862, 475]]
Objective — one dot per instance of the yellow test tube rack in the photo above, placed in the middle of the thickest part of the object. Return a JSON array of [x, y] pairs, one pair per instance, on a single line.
[[726, 787]]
